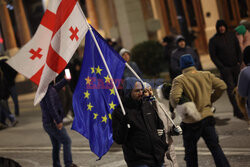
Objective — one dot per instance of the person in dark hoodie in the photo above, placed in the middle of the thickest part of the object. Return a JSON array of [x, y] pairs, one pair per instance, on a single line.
[[224, 50], [182, 49], [140, 131]]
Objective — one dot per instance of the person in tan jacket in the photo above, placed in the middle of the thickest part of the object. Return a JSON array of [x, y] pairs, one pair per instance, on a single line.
[[202, 88]]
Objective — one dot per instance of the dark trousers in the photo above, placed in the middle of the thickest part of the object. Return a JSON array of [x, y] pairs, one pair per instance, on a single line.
[[205, 129], [230, 77], [5, 112], [57, 138], [13, 94]]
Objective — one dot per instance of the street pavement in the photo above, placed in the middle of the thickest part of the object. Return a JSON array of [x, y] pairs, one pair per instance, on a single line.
[[29, 145]]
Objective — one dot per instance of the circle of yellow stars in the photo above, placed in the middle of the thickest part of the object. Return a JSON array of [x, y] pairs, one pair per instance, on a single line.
[[87, 95]]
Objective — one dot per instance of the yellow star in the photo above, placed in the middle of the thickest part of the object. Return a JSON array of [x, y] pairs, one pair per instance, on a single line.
[[107, 79], [90, 107], [95, 115], [86, 95], [112, 105], [112, 91], [104, 119], [98, 70], [110, 116], [88, 81], [92, 70]]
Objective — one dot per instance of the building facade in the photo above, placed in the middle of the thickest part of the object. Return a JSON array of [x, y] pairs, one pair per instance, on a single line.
[[128, 21]]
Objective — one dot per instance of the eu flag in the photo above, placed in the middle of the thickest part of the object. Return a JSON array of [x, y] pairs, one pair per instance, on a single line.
[[94, 98]]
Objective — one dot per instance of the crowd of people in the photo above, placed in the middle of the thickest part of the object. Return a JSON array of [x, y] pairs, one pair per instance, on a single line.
[[145, 131]]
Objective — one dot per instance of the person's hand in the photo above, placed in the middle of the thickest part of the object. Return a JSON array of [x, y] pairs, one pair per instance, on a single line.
[[59, 126], [176, 130], [160, 132]]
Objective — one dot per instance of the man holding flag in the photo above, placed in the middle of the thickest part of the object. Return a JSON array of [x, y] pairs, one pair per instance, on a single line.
[[143, 141]]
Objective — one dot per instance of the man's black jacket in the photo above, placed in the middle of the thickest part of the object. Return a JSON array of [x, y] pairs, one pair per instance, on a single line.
[[141, 143]]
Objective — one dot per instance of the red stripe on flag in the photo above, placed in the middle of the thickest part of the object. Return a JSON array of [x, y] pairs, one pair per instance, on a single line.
[[55, 61], [49, 20], [64, 10], [36, 78]]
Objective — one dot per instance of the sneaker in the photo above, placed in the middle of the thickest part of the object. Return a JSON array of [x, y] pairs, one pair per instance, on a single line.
[[3, 126], [73, 165], [239, 115], [13, 124]]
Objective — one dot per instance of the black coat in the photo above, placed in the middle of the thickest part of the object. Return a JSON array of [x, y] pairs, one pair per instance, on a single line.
[[225, 50], [141, 143]]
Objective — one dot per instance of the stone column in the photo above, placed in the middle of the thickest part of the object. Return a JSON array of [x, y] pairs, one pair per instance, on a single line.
[[92, 13], [131, 22], [22, 24], [8, 32], [105, 17], [211, 15]]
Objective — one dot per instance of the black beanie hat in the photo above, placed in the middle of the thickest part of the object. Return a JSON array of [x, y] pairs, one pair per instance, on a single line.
[[220, 23], [246, 55]]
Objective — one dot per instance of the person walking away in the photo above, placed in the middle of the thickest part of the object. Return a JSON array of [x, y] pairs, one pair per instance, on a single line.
[[224, 50], [143, 140], [202, 88], [182, 49], [52, 116]]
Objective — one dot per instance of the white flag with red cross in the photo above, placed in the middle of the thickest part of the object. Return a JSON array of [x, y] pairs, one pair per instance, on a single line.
[[60, 32]]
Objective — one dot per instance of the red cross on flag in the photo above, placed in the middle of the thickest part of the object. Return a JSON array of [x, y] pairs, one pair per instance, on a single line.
[[60, 32]]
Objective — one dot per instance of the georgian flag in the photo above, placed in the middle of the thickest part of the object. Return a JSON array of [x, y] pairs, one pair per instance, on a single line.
[[60, 32]]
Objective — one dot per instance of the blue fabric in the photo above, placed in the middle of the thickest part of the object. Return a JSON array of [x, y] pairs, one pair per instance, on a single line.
[[93, 99], [186, 61], [57, 138], [13, 94], [51, 104], [243, 86]]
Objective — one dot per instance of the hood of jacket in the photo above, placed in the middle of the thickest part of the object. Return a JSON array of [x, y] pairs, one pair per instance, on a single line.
[[220, 23], [128, 86]]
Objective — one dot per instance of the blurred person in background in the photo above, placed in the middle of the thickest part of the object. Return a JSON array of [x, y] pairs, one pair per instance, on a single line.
[[182, 49], [225, 53]]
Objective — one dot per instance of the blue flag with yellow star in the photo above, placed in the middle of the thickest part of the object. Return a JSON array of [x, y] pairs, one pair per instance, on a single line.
[[94, 98]]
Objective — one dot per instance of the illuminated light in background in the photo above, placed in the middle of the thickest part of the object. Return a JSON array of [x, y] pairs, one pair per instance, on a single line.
[[1, 40]]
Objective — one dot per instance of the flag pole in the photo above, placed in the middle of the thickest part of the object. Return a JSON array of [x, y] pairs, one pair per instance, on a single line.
[[165, 112], [106, 66]]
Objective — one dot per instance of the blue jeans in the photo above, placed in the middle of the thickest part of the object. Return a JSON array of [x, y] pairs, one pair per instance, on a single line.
[[205, 129], [5, 112], [13, 95], [57, 138]]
